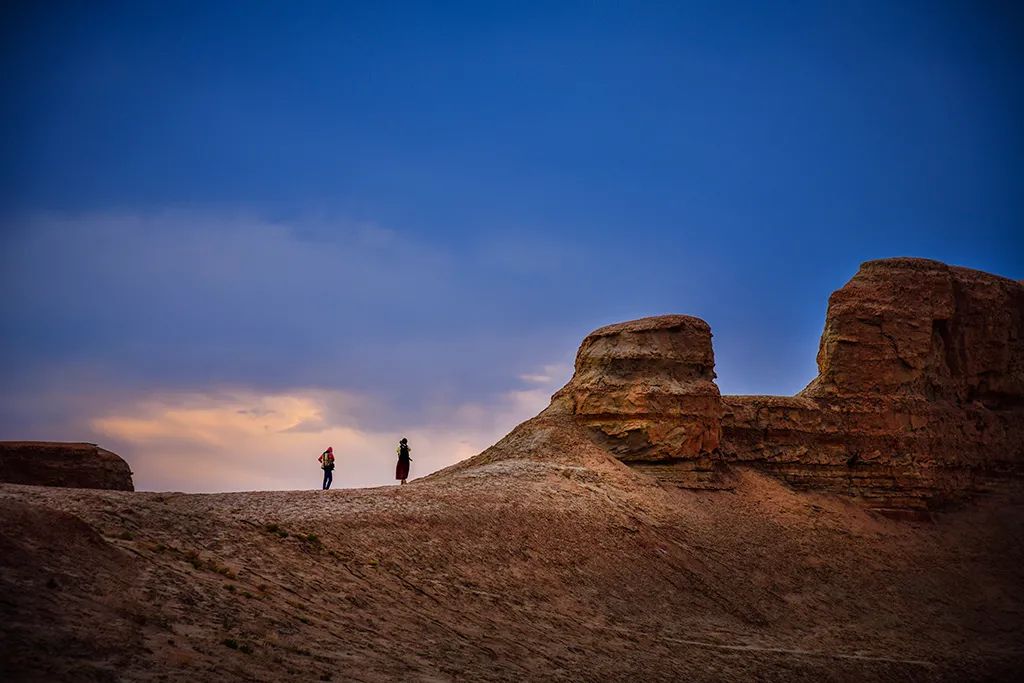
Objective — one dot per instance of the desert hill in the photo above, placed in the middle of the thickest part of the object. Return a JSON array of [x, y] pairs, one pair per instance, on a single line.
[[643, 527]]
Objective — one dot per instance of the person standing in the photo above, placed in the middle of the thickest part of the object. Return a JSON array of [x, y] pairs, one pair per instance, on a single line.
[[402, 470], [326, 461]]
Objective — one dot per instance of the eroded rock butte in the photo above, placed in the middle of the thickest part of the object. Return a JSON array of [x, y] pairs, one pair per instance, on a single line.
[[918, 402], [74, 465]]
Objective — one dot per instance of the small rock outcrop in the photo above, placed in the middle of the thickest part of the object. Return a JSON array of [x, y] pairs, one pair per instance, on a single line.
[[919, 400], [72, 465]]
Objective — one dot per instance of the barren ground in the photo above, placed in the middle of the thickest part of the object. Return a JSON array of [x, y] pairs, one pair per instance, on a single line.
[[541, 559]]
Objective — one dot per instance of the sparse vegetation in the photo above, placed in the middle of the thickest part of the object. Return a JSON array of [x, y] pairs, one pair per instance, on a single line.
[[276, 529], [221, 569], [193, 557]]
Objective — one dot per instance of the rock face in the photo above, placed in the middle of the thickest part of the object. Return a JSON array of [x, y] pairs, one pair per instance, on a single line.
[[919, 400], [917, 328], [646, 390], [73, 465]]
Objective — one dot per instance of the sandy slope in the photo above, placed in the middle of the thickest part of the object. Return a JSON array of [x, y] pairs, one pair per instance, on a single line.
[[541, 559]]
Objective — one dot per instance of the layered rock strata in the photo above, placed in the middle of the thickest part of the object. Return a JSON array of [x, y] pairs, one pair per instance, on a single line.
[[646, 389], [921, 329], [74, 465], [919, 399]]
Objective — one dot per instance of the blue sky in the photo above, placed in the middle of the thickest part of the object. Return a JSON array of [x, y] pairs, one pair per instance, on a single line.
[[394, 218]]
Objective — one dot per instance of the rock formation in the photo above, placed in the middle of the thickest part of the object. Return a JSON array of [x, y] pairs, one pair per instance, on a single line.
[[916, 328], [919, 400], [560, 552], [74, 465], [647, 390]]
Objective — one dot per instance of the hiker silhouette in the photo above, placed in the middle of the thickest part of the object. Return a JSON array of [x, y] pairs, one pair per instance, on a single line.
[[402, 469]]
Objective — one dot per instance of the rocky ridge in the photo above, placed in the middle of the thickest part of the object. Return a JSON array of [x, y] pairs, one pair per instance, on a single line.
[[919, 399]]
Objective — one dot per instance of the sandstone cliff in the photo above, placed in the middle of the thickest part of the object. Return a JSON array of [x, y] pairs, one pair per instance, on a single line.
[[919, 400], [74, 465], [922, 329], [647, 391]]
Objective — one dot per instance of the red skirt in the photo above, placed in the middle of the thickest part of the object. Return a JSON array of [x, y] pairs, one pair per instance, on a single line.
[[402, 471]]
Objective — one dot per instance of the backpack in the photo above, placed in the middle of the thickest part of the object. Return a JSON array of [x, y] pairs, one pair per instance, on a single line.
[[328, 461]]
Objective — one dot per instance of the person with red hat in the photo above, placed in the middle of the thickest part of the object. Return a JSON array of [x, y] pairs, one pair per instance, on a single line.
[[326, 461]]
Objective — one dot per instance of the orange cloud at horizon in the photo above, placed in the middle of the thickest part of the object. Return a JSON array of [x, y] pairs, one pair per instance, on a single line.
[[244, 440]]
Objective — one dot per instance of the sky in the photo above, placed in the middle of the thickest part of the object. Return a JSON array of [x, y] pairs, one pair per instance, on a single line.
[[232, 234]]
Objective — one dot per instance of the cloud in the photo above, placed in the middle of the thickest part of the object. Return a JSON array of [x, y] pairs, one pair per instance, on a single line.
[[239, 439], [548, 374], [224, 350], [209, 279], [179, 298], [234, 439]]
